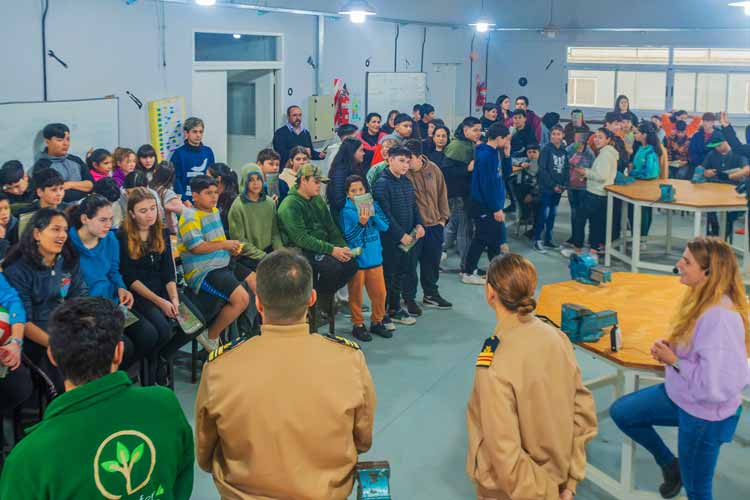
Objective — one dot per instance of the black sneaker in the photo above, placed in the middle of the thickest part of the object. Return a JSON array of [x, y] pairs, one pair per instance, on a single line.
[[388, 324], [359, 332], [413, 308], [551, 244], [380, 330], [672, 484], [436, 301], [402, 317]]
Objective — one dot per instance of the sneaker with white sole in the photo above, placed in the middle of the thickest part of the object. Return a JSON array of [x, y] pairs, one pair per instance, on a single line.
[[539, 246], [388, 324], [567, 252], [402, 317], [472, 279], [436, 301], [208, 344]]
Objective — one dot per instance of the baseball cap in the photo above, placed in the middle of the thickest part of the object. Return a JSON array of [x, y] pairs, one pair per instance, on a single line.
[[310, 170], [716, 139]]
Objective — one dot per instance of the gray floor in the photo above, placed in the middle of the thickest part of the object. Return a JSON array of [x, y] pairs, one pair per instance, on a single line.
[[423, 377]]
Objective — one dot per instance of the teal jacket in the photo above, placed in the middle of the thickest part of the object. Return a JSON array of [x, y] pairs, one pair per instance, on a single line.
[[105, 439], [645, 163]]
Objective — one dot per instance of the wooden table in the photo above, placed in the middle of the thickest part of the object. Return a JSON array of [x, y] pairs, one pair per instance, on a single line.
[[695, 198], [644, 304]]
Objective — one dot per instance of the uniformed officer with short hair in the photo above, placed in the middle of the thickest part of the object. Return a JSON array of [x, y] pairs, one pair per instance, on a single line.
[[284, 414]]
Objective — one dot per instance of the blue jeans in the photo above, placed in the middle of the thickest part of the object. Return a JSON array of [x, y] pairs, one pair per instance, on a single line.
[[545, 215], [459, 229], [698, 440]]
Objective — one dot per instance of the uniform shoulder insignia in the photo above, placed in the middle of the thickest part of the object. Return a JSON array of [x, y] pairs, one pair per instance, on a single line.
[[342, 341], [484, 360], [226, 347]]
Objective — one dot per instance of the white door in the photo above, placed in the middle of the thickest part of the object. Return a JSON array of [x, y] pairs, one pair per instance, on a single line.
[[210, 104], [252, 96], [441, 91]]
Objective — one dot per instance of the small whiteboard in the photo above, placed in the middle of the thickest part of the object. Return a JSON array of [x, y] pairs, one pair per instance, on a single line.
[[93, 123], [401, 91]]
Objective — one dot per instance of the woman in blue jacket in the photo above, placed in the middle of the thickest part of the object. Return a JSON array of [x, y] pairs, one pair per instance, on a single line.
[[645, 167], [99, 254]]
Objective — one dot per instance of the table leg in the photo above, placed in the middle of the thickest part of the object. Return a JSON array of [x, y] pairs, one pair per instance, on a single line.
[[697, 224], [608, 235], [669, 231], [723, 225], [745, 249], [627, 454], [623, 227], [636, 259]]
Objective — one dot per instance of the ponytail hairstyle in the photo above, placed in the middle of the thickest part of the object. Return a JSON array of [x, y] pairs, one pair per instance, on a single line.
[[89, 207], [137, 248], [513, 279], [96, 157]]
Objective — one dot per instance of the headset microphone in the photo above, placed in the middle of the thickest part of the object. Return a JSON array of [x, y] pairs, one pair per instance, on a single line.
[[675, 270]]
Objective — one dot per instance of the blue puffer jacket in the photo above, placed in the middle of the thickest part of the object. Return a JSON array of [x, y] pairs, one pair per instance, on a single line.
[[397, 200], [645, 163], [367, 236]]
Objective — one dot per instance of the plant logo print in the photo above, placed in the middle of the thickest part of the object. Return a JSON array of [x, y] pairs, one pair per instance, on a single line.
[[115, 471]]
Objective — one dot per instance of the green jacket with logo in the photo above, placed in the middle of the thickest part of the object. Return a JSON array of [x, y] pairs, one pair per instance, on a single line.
[[105, 439], [308, 224]]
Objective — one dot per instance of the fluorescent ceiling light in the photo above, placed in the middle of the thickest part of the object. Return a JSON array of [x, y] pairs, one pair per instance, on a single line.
[[745, 5], [482, 26], [357, 10], [206, 3], [236, 36]]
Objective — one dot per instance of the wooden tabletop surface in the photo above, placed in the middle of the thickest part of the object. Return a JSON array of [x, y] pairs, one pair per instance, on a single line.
[[644, 304], [707, 194]]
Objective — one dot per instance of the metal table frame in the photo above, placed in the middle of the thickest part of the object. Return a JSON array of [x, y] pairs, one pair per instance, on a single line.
[[634, 260]]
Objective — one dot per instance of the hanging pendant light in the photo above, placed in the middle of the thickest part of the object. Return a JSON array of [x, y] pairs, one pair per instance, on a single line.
[[357, 10], [483, 24]]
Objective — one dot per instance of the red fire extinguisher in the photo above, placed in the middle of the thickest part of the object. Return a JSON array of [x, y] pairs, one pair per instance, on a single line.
[[341, 100], [481, 94]]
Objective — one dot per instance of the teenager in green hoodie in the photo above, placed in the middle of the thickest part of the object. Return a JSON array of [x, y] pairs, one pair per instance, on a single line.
[[252, 220], [104, 437]]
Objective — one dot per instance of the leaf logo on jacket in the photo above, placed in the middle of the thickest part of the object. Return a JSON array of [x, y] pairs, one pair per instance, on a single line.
[[65, 285], [123, 465]]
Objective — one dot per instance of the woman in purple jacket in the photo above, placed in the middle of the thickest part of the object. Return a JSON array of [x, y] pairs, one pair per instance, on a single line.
[[706, 369]]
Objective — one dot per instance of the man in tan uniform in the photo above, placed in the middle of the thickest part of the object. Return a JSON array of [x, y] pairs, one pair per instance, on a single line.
[[284, 414]]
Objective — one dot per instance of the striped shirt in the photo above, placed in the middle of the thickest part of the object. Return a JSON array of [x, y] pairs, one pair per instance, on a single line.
[[196, 227]]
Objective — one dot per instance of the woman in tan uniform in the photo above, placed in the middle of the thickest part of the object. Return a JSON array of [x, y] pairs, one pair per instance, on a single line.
[[529, 416]]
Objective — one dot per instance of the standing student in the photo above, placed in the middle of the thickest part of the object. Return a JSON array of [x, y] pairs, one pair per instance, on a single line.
[[528, 427], [699, 141], [487, 202], [593, 207], [8, 226], [579, 156], [432, 200], [78, 181], [146, 160], [656, 122], [348, 161], [416, 113], [706, 370], [119, 440], [549, 120], [504, 114], [192, 158], [125, 162], [343, 132], [100, 163], [457, 169], [370, 135], [381, 154], [577, 122], [253, 221], [622, 108], [148, 269], [362, 227], [421, 128], [389, 124], [524, 135], [402, 130], [394, 193], [50, 189], [489, 116], [440, 139], [553, 172], [532, 119], [163, 182], [297, 157], [14, 182], [645, 167], [229, 188], [293, 134]]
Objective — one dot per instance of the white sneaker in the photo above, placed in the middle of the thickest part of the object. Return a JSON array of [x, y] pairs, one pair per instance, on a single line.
[[208, 344], [472, 279], [567, 252], [539, 247], [443, 257]]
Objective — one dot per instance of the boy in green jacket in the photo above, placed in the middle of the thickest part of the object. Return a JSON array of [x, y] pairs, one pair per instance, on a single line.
[[252, 220], [306, 223], [102, 438]]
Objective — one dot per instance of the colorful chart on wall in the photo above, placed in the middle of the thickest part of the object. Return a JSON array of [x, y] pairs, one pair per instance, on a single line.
[[165, 118]]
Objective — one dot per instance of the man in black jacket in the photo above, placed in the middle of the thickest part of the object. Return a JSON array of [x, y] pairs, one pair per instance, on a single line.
[[293, 134], [78, 180]]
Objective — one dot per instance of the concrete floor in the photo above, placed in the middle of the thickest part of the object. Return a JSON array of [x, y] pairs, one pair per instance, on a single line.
[[423, 377]]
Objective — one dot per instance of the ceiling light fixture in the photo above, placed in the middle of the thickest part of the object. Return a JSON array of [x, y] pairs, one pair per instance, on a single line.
[[206, 3], [745, 5], [357, 10], [482, 25], [236, 36]]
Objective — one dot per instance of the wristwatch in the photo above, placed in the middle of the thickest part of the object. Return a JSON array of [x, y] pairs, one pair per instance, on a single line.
[[15, 340], [676, 365]]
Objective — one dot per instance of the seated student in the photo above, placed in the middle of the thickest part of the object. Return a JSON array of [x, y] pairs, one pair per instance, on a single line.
[[206, 259], [402, 129], [78, 181], [394, 193], [99, 162], [135, 179], [192, 158], [108, 188], [576, 122], [148, 268], [525, 183], [432, 201], [268, 160], [249, 432], [229, 188], [722, 164], [729, 134], [579, 156], [306, 223], [348, 161], [441, 137], [362, 227], [15, 383], [370, 135], [523, 136], [678, 146], [699, 141], [99, 256], [8, 226], [107, 423], [669, 120], [50, 191], [146, 156], [163, 182], [344, 132], [44, 269], [489, 116], [125, 162], [253, 221], [553, 177], [528, 427], [297, 157], [532, 119], [487, 201], [14, 182], [381, 155]]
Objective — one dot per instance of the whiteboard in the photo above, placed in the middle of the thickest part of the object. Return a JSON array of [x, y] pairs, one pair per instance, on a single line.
[[401, 91], [93, 123]]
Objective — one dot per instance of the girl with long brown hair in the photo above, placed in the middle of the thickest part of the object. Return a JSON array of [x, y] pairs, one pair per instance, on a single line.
[[706, 369]]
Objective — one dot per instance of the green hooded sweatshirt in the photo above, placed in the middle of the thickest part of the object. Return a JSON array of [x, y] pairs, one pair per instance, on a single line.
[[254, 223], [460, 150], [105, 439], [308, 224]]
